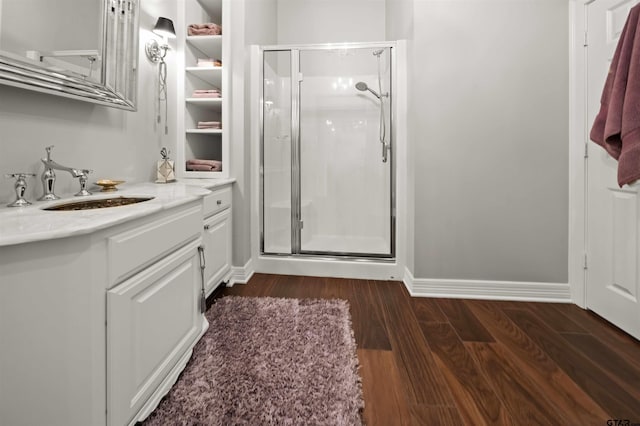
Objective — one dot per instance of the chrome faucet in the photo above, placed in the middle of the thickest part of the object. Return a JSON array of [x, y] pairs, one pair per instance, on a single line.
[[49, 177]]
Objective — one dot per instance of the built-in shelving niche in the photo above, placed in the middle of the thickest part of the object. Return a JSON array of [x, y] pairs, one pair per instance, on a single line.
[[195, 143]]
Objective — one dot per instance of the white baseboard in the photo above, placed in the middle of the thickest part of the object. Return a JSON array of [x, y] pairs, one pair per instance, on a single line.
[[488, 290], [241, 274]]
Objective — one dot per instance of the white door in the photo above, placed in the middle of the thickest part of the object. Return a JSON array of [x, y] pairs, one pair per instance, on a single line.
[[612, 212]]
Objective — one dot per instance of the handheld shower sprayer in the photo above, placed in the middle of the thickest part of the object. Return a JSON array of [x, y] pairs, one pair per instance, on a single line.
[[362, 86]]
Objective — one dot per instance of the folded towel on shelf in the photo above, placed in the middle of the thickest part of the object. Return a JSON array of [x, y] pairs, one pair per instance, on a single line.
[[208, 28], [204, 165], [209, 125], [199, 168], [210, 163], [206, 95], [209, 62]]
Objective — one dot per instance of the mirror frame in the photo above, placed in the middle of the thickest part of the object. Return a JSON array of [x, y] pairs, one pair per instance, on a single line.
[[119, 64]]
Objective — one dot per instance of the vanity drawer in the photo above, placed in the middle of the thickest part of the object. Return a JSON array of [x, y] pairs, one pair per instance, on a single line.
[[218, 200], [136, 248]]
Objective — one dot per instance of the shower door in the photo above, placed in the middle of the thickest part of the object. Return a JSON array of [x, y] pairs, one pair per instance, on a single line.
[[327, 159]]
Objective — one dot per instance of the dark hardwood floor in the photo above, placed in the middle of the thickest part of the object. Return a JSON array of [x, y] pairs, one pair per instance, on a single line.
[[451, 361]]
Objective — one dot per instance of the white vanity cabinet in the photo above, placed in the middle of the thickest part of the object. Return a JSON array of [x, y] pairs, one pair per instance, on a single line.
[[217, 237], [153, 317], [95, 328]]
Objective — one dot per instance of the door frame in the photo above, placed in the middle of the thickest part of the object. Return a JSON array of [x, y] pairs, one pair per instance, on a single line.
[[578, 147], [327, 265], [296, 52]]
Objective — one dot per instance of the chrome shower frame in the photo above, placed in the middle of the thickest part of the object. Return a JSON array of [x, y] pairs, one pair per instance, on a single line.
[[295, 154]]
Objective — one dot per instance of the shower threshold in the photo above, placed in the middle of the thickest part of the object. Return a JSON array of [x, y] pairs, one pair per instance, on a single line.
[[332, 256], [330, 265], [338, 247]]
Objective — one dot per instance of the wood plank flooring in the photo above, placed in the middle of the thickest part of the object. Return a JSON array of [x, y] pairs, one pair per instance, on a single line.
[[431, 361]]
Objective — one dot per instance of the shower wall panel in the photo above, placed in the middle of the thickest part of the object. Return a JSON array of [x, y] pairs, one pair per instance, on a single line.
[[277, 152]]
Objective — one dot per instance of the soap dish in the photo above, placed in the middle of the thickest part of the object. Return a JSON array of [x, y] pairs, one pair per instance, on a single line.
[[109, 185]]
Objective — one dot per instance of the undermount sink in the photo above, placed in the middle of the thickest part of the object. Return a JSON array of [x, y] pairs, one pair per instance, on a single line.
[[99, 203]]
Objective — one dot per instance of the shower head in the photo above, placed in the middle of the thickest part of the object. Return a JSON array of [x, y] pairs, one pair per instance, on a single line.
[[362, 86]]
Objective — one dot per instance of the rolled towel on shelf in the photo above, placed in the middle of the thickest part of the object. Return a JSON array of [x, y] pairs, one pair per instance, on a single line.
[[208, 28]]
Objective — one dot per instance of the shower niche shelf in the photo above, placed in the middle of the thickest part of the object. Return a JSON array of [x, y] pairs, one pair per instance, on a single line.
[[194, 142]]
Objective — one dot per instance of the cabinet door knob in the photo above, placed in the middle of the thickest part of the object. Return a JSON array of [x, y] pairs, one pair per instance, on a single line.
[[207, 227], [219, 202]]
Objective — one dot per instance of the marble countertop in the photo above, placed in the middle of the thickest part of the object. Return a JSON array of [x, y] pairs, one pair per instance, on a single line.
[[20, 225]]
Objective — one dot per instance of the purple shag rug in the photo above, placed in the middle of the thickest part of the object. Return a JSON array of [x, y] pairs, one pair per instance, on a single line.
[[269, 361]]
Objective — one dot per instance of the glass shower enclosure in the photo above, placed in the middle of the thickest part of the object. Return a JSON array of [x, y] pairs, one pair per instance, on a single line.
[[327, 169]]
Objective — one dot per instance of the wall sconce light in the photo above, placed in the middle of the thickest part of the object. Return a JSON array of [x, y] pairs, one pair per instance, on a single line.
[[156, 53]]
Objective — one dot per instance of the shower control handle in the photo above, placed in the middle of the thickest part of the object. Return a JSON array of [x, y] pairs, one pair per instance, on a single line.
[[385, 151]]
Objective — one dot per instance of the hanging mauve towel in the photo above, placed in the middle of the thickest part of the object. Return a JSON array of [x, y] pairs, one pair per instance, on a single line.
[[617, 125]]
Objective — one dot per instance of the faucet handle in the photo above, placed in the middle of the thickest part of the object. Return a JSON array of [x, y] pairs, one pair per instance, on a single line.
[[19, 175], [48, 149], [20, 187], [84, 175]]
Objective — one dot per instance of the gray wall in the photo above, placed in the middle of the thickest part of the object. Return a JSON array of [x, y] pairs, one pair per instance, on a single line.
[[490, 136], [256, 25], [399, 19], [115, 144], [330, 21]]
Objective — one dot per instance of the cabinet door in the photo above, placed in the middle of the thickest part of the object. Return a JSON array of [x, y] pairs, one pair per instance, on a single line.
[[153, 321], [217, 248]]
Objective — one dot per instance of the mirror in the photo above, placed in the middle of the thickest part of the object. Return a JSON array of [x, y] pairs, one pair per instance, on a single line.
[[82, 49]]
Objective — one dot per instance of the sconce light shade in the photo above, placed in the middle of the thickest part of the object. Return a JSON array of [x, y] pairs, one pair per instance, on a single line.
[[164, 28], [156, 51]]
